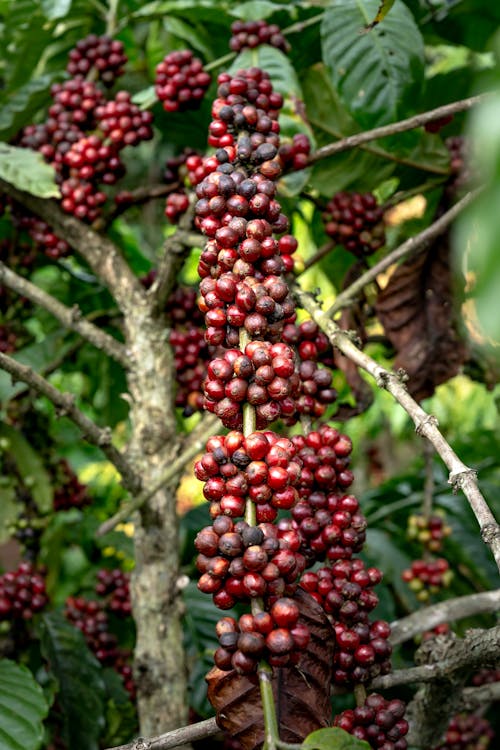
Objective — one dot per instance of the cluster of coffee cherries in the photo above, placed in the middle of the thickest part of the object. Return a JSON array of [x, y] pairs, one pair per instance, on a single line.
[[181, 82], [22, 593], [40, 233], [486, 677], [91, 618], [344, 590], [239, 562], [295, 155], [467, 732], [263, 376], [100, 54], [69, 492], [355, 221], [8, 340], [378, 721], [114, 585], [83, 136], [251, 34], [258, 474], [310, 342], [277, 636], [261, 307], [260, 467], [428, 531], [191, 352], [427, 577]]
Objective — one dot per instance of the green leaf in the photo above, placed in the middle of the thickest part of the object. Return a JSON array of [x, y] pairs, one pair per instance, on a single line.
[[30, 467], [192, 10], [26, 170], [330, 121], [376, 73], [22, 708], [333, 738], [22, 105], [256, 10], [9, 511], [382, 11], [56, 8], [276, 63], [81, 687]]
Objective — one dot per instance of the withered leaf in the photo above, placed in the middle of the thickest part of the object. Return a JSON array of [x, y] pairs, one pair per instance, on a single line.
[[301, 693], [416, 310]]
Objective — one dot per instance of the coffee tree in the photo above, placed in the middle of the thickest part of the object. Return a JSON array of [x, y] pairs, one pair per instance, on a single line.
[[242, 245]]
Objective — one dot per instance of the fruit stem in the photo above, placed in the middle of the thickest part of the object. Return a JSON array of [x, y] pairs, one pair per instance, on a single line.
[[301, 25], [249, 422], [360, 694], [219, 61], [265, 671], [270, 721], [111, 17]]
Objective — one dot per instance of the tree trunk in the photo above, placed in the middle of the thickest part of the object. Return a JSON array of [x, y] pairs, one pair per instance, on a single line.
[[159, 658]]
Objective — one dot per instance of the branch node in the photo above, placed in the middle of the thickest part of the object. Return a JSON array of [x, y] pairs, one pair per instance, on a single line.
[[490, 532], [429, 419], [354, 337], [141, 744], [402, 375], [382, 379], [105, 437], [457, 479], [76, 314], [68, 403]]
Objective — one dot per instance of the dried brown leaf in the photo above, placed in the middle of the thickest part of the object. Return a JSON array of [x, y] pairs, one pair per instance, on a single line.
[[417, 312], [301, 693]]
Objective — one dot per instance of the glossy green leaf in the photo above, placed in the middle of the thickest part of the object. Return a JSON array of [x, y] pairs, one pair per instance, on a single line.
[[26, 170], [22, 708], [81, 687], [376, 73], [256, 10], [274, 62], [383, 10], [54, 9], [333, 738], [330, 121], [20, 107], [30, 467]]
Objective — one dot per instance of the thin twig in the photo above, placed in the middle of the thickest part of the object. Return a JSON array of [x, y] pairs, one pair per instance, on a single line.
[[175, 468], [176, 737], [65, 405], [102, 255], [382, 153], [71, 318], [460, 476], [429, 483], [142, 195], [486, 602], [353, 141], [323, 250], [408, 248]]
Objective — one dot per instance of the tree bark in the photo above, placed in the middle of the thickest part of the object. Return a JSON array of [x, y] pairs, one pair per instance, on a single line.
[[157, 606]]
